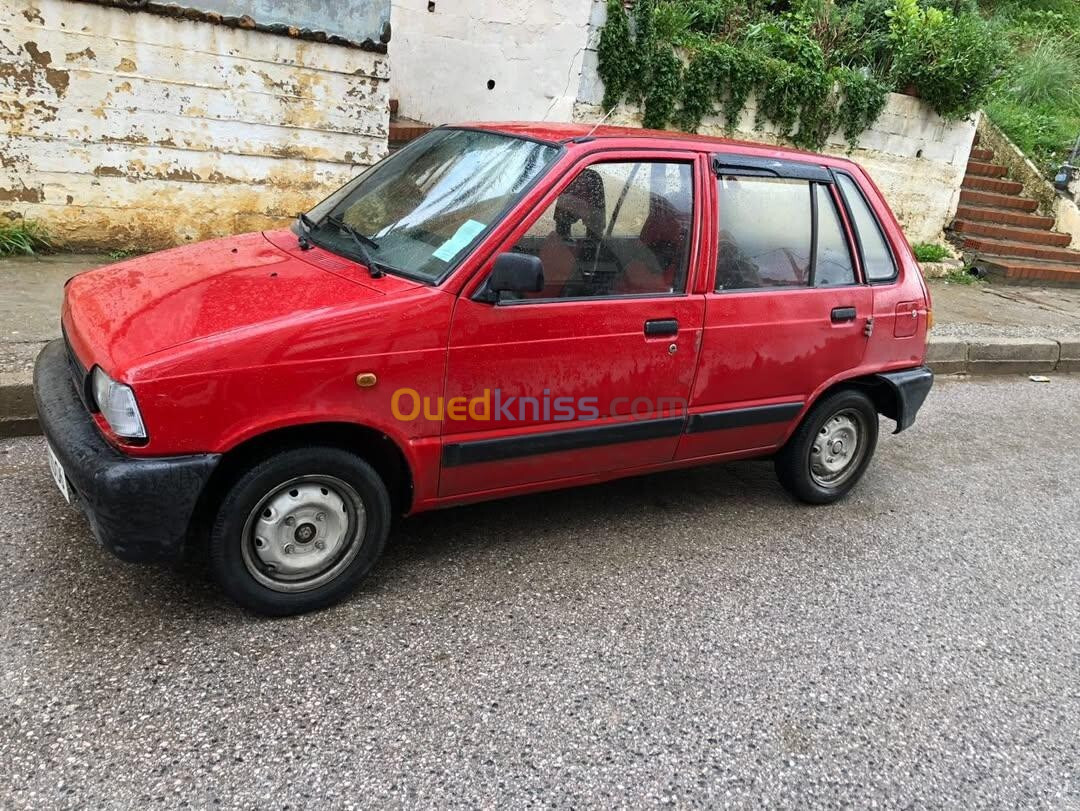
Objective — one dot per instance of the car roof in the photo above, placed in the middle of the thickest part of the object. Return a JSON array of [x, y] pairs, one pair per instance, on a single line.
[[565, 132]]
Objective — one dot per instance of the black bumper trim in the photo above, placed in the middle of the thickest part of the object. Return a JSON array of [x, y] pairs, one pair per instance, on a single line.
[[139, 509], [911, 386]]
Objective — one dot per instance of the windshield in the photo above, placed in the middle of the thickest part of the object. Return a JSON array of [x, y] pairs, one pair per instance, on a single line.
[[420, 211]]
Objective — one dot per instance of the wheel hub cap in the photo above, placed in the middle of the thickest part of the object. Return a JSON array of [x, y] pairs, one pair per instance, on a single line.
[[836, 449], [303, 533]]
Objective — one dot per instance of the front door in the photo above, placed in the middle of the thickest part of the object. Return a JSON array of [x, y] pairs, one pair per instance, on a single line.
[[787, 313], [592, 373]]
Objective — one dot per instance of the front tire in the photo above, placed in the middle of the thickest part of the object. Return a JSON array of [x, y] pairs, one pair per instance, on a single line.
[[298, 531], [830, 450]]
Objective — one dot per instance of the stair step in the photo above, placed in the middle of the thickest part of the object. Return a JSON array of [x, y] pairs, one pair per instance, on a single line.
[[403, 133], [1004, 216], [997, 247], [984, 169], [984, 155], [1012, 233], [993, 200], [1023, 271], [992, 184]]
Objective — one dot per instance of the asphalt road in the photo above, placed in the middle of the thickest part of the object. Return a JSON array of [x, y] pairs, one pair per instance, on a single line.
[[690, 639]]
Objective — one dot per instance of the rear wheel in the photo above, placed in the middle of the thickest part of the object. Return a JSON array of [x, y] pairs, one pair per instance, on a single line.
[[830, 450], [299, 531]]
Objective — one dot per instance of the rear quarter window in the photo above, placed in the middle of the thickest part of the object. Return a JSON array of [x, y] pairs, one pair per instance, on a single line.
[[878, 262]]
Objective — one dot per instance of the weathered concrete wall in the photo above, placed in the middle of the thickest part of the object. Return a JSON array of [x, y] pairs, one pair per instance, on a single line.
[[127, 129], [354, 20], [444, 59]]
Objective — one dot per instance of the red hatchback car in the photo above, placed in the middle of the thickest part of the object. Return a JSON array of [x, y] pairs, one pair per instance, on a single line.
[[493, 310]]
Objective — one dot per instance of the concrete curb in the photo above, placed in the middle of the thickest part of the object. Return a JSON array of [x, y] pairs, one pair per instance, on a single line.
[[946, 355], [18, 415]]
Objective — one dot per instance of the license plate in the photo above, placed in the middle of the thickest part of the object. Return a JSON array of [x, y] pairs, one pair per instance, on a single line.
[[57, 471]]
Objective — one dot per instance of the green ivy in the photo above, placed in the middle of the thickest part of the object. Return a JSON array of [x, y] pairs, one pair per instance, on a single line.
[[615, 54], [819, 68]]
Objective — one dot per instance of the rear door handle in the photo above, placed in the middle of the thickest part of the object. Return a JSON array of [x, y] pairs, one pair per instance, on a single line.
[[841, 314], [662, 326]]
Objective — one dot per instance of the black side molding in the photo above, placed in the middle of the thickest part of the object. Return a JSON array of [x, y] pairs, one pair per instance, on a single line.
[[743, 417], [910, 387], [494, 450]]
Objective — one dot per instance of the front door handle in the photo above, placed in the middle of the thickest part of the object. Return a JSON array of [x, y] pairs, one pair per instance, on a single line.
[[841, 314], [660, 327]]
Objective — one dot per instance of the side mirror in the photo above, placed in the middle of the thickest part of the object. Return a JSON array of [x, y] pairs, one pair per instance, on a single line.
[[515, 273]]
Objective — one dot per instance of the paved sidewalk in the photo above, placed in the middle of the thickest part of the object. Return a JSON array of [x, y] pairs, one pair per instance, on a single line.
[[31, 289], [980, 328]]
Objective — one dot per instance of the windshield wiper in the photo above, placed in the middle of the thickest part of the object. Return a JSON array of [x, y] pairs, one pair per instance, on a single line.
[[307, 225], [362, 242]]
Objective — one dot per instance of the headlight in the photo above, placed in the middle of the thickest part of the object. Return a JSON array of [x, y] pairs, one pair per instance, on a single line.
[[117, 405]]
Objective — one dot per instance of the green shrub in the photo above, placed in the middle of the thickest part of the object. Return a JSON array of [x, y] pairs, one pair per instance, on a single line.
[[25, 237], [949, 60], [930, 252], [815, 66]]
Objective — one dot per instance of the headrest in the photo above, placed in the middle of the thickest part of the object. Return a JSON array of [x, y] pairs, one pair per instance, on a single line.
[[582, 200]]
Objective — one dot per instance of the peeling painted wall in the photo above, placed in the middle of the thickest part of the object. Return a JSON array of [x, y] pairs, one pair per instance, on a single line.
[[126, 129], [469, 60]]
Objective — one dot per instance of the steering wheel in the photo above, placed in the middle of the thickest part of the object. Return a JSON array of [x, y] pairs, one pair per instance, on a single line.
[[591, 276]]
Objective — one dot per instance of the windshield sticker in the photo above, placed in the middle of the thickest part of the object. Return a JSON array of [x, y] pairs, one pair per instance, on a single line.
[[465, 234]]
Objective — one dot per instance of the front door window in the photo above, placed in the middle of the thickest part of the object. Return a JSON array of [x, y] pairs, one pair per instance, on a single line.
[[617, 229]]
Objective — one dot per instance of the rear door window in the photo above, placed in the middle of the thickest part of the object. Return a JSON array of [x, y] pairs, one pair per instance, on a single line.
[[780, 233], [878, 262], [765, 232]]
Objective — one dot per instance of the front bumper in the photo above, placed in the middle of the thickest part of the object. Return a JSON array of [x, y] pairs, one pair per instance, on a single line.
[[139, 509]]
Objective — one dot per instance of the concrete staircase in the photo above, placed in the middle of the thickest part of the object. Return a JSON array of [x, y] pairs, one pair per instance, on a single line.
[[1003, 233]]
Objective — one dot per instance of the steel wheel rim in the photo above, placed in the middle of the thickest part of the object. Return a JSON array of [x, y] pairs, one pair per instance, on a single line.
[[838, 448], [303, 533]]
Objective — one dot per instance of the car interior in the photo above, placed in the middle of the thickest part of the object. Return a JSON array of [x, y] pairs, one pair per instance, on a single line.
[[595, 247]]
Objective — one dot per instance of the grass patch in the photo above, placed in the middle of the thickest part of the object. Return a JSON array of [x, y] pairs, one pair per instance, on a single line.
[[1036, 99], [930, 252], [122, 253], [25, 238], [961, 276]]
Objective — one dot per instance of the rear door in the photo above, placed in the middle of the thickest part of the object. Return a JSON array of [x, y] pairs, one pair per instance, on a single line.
[[593, 373], [786, 312]]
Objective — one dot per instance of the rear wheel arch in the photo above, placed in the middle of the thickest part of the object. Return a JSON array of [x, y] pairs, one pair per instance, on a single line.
[[881, 394]]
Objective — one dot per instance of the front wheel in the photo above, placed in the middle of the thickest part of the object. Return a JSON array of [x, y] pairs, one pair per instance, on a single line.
[[299, 530], [831, 448]]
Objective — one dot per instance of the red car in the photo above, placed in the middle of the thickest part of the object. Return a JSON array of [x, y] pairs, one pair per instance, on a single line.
[[493, 310]]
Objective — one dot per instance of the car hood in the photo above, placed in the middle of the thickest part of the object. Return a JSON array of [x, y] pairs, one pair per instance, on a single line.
[[118, 314]]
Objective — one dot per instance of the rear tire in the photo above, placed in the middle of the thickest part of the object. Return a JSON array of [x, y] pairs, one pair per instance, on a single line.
[[298, 531], [830, 450]]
